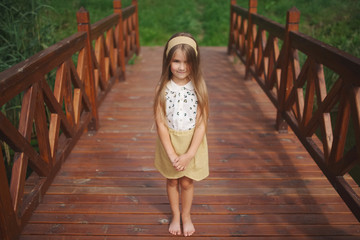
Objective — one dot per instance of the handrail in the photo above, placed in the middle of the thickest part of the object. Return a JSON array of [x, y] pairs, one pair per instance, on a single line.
[[299, 91], [60, 115], [340, 62], [17, 78]]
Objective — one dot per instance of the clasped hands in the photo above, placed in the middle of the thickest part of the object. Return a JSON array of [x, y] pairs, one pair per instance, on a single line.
[[180, 162]]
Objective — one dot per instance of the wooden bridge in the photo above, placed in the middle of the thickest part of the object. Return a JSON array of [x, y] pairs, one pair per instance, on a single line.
[[263, 183]]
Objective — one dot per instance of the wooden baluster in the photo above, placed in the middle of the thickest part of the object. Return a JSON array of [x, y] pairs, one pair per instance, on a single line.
[[340, 131], [251, 35], [120, 36], [242, 29], [231, 32], [9, 228], [21, 160], [135, 3], [41, 127], [292, 24], [83, 20]]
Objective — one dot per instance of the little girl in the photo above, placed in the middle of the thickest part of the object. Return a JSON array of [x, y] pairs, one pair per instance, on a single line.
[[181, 110]]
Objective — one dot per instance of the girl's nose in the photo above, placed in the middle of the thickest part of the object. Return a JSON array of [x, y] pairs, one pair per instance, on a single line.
[[182, 66]]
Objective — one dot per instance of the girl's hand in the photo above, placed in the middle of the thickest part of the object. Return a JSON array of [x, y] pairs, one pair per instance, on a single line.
[[173, 158], [182, 161]]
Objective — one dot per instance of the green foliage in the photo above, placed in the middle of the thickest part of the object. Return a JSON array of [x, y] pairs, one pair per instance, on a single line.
[[161, 19], [331, 21], [24, 30], [64, 14], [208, 21], [132, 60], [215, 22]]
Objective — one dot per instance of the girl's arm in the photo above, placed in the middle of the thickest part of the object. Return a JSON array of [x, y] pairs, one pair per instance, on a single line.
[[182, 161], [164, 136]]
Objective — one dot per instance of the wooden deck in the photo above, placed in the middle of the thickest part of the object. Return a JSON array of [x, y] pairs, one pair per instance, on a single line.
[[262, 185]]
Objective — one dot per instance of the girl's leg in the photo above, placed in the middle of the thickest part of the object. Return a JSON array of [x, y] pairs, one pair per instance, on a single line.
[[172, 186], [187, 193]]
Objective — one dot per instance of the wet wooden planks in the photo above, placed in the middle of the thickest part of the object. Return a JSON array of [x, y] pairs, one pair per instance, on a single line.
[[263, 185]]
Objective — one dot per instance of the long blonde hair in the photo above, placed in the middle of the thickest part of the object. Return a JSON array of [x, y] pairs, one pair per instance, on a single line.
[[193, 60]]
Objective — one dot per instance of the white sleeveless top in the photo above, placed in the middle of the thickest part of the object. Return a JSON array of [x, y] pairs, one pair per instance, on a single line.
[[181, 106]]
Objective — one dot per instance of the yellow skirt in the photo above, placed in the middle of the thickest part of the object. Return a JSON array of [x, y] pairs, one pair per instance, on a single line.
[[198, 168]]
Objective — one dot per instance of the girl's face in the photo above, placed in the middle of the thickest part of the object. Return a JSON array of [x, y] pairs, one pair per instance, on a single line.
[[179, 68]]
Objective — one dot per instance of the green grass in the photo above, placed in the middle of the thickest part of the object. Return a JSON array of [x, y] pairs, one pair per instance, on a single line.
[[24, 30], [332, 21], [64, 14]]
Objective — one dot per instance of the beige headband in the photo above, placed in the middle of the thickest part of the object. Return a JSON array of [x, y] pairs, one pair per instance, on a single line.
[[181, 40]]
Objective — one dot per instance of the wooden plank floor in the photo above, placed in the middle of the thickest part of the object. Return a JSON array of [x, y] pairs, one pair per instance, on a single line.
[[262, 185]]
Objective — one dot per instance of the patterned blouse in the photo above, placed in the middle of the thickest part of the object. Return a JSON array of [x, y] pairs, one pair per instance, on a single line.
[[181, 106]]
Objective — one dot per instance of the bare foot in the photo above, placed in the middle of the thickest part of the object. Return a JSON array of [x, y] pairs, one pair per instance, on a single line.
[[174, 227], [188, 226]]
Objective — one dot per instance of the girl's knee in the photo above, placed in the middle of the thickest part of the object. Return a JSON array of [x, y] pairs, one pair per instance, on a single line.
[[172, 182], [186, 183]]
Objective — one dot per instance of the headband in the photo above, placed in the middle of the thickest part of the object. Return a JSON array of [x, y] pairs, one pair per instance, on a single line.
[[181, 40]]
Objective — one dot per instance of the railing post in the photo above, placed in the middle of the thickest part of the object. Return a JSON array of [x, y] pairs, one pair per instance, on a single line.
[[231, 32], [83, 20], [135, 3], [9, 228], [120, 34], [250, 36], [292, 24]]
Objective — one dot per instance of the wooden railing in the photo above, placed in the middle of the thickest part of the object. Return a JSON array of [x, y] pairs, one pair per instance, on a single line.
[[60, 115], [299, 92]]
